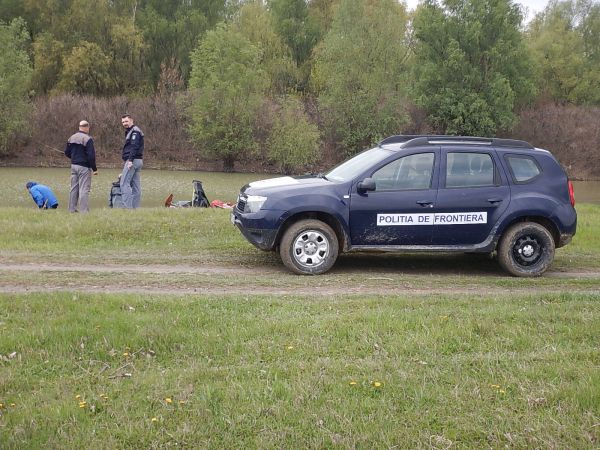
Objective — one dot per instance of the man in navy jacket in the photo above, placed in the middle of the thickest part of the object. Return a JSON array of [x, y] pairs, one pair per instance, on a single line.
[[80, 148], [133, 153], [42, 195]]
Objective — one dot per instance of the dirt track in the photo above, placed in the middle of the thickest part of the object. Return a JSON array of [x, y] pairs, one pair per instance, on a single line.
[[350, 279]]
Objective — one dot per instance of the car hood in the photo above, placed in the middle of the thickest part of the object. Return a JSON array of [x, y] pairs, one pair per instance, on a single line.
[[284, 184]]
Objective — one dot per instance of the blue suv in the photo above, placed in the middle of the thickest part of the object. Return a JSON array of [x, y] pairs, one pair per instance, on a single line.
[[418, 194]]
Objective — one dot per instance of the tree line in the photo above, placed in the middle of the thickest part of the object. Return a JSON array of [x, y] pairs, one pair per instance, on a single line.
[[290, 81]]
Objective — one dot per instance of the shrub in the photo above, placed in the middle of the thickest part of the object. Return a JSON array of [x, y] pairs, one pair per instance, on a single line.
[[571, 133], [294, 140], [15, 73], [55, 118]]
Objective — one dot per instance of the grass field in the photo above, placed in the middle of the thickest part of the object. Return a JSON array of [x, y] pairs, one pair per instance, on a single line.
[[114, 371], [156, 185], [409, 351], [161, 235]]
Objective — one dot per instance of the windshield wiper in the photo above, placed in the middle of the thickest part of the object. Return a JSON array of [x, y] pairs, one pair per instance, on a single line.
[[322, 175]]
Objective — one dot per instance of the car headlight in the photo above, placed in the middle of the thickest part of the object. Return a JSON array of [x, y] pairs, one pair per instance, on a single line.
[[254, 203]]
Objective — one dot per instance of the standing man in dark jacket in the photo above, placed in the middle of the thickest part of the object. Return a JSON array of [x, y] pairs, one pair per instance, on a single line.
[[80, 148], [133, 153]]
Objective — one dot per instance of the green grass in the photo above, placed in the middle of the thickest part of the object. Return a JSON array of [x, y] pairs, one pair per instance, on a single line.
[[507, 362], [265, 372], [156, 185], [198, 235]]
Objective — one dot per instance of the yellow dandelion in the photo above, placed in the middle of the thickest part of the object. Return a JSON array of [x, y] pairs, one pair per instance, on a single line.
[[78, 396], [182, 402], [126, 354], [1, 405], [495, 386], [502, 391], [352, 383], [290, 347], [155, 419], [377, 384], [168, 400], [13, 405], [82, 404]]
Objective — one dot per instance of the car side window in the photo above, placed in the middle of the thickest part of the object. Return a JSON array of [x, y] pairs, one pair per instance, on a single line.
[[523, 168], [408, 172], [469, 170]]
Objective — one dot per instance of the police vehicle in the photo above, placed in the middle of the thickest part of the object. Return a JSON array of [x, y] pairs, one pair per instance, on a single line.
[[418, 194]]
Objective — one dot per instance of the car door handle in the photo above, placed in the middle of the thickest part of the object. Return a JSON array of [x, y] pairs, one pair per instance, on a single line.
[[494, 200], [425, 203]]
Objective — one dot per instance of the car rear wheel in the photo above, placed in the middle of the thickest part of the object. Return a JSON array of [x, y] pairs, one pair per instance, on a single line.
[[526, 250], [309, 247]]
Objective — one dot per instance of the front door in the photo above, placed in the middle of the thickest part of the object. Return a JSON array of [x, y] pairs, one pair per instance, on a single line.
[[397, 212]]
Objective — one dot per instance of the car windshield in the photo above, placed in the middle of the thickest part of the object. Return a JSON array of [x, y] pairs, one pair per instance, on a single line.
[[352, 167]]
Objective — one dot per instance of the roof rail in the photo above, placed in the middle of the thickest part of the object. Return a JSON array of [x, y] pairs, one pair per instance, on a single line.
[[399, 138], [412, 140]]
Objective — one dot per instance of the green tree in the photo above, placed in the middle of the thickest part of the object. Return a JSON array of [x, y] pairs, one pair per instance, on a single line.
[[171, 39], [86, 71], [360, 72], [321, 13], [126, 56], [295, 26], [227, 87], [472, 68], [565, 43], [294, 139], [47, 57], [15, 74], [299, 30], [141, 38], [255, 23]]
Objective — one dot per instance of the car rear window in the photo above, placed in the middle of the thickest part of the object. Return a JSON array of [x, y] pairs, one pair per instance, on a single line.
[[523, 168], [469, 170]]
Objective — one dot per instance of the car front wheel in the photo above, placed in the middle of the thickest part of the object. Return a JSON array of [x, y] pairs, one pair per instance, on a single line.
[[526, 250], [309, 247]]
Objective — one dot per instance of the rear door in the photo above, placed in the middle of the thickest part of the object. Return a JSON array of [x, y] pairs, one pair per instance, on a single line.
[[473, 195], [397, 212]]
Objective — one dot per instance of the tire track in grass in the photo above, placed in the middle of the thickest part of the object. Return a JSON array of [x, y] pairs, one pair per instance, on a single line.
[[220, 280]]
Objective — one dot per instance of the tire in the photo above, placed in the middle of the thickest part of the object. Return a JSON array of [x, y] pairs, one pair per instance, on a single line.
[[309, 247], [526, 250]]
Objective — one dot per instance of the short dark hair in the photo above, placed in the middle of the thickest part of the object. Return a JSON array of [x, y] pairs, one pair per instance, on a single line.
[[125, 115]]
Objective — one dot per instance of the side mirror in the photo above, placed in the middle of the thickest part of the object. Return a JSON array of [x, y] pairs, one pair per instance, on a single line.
[[368, 184]]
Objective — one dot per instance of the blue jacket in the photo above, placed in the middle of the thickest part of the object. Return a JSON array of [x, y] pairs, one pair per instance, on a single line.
[[80, 148], [134, 144], [42, 195]]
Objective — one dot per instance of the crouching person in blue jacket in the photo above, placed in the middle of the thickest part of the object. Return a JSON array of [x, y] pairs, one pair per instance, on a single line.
[[42, 195]]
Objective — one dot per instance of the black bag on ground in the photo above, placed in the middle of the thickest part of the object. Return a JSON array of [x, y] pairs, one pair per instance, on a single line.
[[115, 199], [200, 200]]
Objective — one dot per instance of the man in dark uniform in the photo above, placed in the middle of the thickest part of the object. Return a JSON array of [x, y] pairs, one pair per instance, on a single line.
[[80, 148], [133, 153]]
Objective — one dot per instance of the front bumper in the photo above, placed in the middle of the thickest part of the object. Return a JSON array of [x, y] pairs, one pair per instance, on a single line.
[[258, 228], [564, 240]]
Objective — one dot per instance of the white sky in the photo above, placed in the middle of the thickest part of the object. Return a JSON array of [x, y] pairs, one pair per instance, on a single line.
[[533, 6]]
